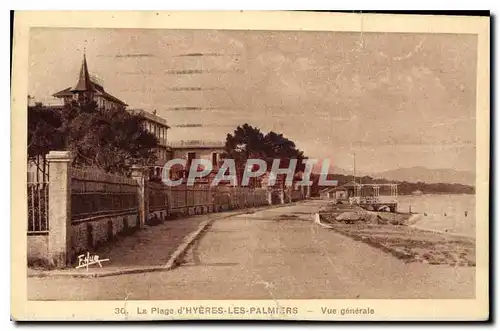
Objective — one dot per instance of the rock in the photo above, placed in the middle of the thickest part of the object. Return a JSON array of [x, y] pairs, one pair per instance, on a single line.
[[348, 216], [372, 218], [392, 218], [384, 208]]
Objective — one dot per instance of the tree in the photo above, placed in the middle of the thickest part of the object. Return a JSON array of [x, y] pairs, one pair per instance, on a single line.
[[248, 142], [44, 133], [279, 147], [110, 139]]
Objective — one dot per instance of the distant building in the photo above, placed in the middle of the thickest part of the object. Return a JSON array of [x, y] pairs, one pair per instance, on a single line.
[[86, 89], [198, 149], [346, 191], [157, 126], [330, 193]]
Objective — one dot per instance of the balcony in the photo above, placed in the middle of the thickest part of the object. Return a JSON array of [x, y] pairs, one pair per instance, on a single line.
[[198, 144], [162, 142]]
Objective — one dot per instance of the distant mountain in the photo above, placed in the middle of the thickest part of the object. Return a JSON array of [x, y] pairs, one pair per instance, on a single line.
[[331, 170], [422, 174]]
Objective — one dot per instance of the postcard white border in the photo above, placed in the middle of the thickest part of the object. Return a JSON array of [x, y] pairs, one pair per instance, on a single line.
[[473, 309]]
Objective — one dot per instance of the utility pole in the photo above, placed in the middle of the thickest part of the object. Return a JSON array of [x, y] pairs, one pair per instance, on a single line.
[[354, 169]]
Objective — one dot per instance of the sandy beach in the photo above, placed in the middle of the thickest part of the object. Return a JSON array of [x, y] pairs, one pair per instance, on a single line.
[[397, 234]]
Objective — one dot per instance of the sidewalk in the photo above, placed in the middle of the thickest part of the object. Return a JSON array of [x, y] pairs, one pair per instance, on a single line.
[[153, 248]]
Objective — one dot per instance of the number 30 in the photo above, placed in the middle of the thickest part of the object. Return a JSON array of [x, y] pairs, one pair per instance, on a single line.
[[120, 311]]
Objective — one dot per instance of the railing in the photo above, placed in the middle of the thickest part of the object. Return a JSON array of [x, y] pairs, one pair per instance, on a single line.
[[296, 195], [38, 207], [202, 195], [98, 194], [162, 141], [257, 197], [179, 197], [387, 199], [197, 143], [222, 197], [95, 194], [372, 200], [158, 196]]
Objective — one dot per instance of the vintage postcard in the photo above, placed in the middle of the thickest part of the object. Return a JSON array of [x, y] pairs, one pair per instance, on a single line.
[[250, 166]]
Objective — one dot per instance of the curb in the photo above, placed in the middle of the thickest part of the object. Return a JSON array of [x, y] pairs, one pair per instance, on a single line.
[[173, 260], [317, 220], [191, 238]]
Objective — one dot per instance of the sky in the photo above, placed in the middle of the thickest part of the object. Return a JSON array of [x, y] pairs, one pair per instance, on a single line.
[[395, 100]]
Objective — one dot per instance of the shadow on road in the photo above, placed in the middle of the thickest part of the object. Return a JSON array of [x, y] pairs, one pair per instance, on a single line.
[[150, 246]]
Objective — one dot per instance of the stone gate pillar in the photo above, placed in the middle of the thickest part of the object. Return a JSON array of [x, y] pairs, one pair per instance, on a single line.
[[282, 196], [59, 243], [138, 173]]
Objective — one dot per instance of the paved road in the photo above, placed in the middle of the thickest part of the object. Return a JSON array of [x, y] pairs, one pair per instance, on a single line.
[[272, 254]]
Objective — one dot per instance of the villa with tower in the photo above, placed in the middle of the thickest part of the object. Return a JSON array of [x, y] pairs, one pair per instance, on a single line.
[[89, 88]]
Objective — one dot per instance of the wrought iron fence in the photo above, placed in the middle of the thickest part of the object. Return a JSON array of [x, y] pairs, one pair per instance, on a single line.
[[97, 194], [184, 196], [158, 196], [38, 207]]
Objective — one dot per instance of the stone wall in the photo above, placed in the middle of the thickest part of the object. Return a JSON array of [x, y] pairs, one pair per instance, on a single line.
[[88, 234], [38, 248]]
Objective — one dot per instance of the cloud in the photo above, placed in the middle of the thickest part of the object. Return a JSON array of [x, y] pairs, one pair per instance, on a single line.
[[412, 140], [453, 121], [405, 56], [203, 109], [199, 71], [204, 54], [200, 125], [134, 55]]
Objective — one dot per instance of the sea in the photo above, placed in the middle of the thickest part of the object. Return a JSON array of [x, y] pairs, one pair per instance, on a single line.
[[453, 213]]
